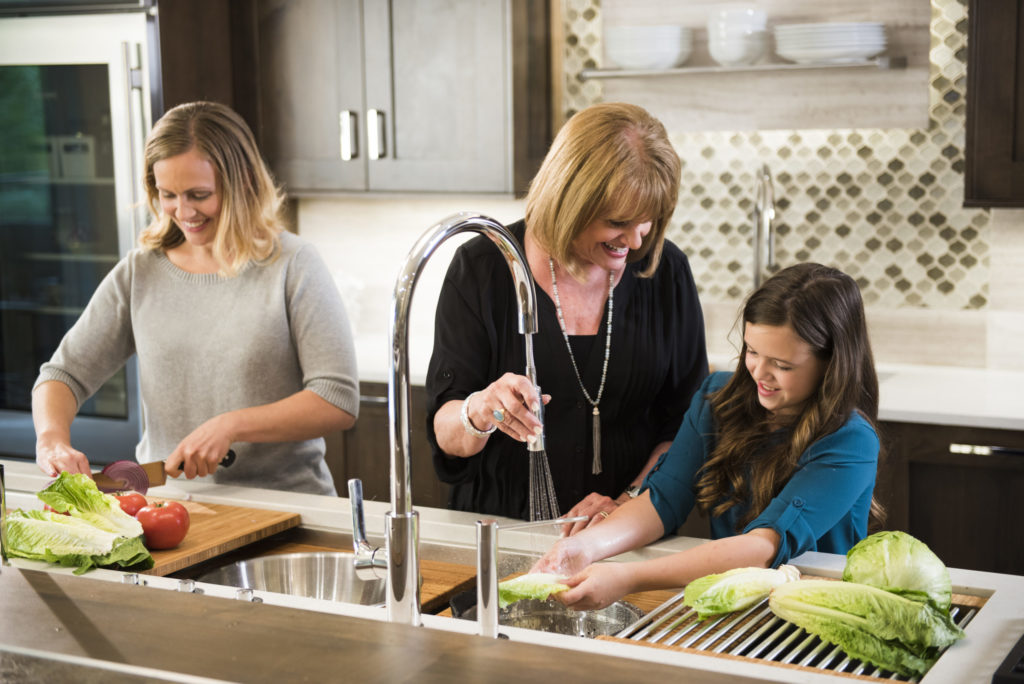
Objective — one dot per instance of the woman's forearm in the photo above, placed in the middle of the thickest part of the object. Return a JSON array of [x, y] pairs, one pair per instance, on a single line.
[[303, 415], [53, 409], [452, 436], [656, 453]]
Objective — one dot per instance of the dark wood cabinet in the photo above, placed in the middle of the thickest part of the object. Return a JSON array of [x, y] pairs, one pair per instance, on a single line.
[[207, 51], [967, 508], [364, 451], [994, 152]]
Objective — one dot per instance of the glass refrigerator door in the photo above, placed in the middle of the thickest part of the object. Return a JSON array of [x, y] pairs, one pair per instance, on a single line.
[[73, 112]]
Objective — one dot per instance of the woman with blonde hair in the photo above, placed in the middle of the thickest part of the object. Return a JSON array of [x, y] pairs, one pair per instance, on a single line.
[[620, 346], [781, 454], [241, 336]]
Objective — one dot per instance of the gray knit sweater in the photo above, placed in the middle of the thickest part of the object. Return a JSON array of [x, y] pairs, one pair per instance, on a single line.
[[208, 344]]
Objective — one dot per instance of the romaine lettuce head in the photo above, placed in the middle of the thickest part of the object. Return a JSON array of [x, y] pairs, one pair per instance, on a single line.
[[534, 585], [734, 589], [77, 495], [71, 542], [874, 625], [897, 562]]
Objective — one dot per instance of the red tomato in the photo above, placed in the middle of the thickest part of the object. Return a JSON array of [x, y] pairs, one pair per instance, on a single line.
[[131, 502], [164, 523]]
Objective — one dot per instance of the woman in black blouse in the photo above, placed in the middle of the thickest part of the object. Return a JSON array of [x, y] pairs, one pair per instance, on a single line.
[[620, 340]]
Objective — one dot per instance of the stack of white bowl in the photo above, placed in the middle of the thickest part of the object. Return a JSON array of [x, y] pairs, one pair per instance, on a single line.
[[830, 43], [736, 35], [647, 47]]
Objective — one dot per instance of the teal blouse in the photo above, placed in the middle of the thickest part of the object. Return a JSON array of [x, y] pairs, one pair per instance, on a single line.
[[823, 507]]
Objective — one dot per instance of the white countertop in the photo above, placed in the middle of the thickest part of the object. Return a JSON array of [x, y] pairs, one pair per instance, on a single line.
[[989, 636], [936, 395]]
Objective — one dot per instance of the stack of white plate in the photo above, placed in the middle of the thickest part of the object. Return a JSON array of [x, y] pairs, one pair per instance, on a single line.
[[829, 43]]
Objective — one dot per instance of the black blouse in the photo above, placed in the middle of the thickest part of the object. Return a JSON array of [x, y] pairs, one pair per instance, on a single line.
[[657, 361]]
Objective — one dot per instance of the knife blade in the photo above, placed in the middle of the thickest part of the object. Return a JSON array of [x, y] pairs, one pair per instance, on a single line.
[[155, 473]]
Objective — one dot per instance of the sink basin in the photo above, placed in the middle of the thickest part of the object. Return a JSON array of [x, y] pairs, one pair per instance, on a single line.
[[552, 616], [319, 575]]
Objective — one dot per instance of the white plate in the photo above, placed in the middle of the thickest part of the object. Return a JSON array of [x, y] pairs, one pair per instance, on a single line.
[[827, 55]]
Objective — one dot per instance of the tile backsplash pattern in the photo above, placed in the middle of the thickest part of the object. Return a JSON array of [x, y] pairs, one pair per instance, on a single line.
[[882, 205]]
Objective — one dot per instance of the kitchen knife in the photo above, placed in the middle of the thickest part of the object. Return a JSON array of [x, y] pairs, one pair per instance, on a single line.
[[158, 475], [154, 473]]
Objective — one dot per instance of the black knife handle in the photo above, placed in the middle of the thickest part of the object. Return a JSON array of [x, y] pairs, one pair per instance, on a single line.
[[228, 459]]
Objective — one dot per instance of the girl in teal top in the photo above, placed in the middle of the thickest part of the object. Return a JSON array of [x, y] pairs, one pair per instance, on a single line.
[[781, 455]]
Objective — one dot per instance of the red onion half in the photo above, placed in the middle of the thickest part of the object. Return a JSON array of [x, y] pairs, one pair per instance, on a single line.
[[129, 472]]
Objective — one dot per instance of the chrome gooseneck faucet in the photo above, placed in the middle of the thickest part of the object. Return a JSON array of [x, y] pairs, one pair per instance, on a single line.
[[764, 230], [402, 533]]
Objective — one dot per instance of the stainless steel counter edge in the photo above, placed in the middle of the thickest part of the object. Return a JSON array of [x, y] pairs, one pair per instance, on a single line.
[[990, 635]]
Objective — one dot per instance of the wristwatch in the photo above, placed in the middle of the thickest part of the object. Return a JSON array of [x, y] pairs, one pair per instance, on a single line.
[[633, 491]]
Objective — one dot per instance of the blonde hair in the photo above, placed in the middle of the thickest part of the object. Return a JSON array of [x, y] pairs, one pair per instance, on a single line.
[[609, 160], [250, 220]]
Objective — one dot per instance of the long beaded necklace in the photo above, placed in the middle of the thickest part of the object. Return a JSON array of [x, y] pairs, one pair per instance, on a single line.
[[595, 467]]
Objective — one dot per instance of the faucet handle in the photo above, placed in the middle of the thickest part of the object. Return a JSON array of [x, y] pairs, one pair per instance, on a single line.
[[365, 560], [355, 497]]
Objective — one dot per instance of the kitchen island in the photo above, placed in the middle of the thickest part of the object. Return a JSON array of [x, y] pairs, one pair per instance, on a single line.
[[51, 619]]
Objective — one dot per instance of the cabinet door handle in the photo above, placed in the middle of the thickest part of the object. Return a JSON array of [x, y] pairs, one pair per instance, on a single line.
[[348, 140], [376, 148], [980, 450]]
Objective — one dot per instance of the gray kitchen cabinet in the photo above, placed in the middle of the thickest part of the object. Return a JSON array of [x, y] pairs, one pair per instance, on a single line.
[[407, 95], [967, 508]]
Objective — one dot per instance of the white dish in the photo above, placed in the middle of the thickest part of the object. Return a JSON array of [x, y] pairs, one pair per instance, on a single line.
[[828, 55], [648, 47]]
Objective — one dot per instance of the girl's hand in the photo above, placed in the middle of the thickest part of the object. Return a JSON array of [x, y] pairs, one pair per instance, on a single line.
[[55, 457], [598, 586], [509, 402], [565, 558], [596, 506]]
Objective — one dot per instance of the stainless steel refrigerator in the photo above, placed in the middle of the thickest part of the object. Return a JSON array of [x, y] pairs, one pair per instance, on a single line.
[[74, 110]]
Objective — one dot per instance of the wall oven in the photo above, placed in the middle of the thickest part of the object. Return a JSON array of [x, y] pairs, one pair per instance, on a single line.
[[75, 106]]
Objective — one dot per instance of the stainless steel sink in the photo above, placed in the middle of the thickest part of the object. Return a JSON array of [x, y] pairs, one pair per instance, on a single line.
[[552, 616], [320, 575]]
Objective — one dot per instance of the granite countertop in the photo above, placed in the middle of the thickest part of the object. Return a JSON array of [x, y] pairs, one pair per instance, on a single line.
[[937, 395]]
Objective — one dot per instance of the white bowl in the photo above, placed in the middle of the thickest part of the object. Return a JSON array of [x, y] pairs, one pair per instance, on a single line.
[[738, 50], [731, 19], [648, 47]]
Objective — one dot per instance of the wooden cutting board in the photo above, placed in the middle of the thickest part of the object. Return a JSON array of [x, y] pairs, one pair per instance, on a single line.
[[215, 529]]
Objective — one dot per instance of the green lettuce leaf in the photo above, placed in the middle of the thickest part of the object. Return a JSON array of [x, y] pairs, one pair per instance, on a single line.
[[71, 542], [871, 624], [535, 585], [897, 562], [735, 589], [77, 495]]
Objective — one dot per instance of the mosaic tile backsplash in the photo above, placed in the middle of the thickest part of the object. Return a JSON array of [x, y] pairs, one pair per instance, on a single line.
[[882, 205]]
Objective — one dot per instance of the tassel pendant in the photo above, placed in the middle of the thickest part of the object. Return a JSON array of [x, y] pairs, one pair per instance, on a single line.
[[595, 467]]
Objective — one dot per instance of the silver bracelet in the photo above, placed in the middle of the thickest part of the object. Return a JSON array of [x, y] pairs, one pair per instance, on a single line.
[[464, 415]]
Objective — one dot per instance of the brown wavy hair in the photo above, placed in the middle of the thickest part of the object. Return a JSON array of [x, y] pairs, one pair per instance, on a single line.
[[250, 219], [610, 159], [748, 466]]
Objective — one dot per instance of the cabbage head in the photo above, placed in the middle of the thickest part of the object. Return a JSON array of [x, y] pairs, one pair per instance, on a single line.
[[897, 562], [870, 624]]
